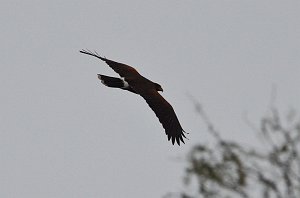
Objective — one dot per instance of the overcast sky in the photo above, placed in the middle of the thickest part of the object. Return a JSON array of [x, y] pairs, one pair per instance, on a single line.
[[64, 135]]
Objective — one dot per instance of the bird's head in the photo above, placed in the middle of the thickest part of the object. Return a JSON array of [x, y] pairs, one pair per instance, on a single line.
[[158, 87]]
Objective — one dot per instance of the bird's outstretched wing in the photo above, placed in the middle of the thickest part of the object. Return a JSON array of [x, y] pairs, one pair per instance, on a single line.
[[123, 70], [166, 115]]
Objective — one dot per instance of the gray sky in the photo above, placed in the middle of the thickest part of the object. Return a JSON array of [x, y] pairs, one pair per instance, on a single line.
[[64, 135]]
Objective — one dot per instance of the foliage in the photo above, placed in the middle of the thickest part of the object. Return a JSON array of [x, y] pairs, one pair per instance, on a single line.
[[230, 169]]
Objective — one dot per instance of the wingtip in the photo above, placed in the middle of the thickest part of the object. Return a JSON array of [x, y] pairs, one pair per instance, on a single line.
[[185, 131], [84, 51], [178, 139], [173, 140], [95, 54], [181, 139], [169, 137]]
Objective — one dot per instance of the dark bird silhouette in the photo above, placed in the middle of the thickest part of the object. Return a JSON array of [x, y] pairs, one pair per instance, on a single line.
[[132, 81]]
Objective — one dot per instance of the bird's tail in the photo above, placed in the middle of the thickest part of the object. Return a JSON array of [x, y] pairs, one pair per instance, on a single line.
[[111, 81]]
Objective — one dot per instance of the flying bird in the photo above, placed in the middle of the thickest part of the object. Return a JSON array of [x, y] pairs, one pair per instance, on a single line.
[[132, 81]]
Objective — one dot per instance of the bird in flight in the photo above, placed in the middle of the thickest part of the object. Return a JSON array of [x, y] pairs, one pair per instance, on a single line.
[[132, 81]]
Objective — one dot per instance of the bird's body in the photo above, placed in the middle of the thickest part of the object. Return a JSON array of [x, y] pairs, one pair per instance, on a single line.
[[132, 81]]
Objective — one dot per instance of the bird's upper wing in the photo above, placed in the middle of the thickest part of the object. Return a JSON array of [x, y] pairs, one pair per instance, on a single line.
[[165, 113], [123, 70]]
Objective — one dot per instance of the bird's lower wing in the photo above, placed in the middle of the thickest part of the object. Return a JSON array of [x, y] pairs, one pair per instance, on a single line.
[[166, 115]]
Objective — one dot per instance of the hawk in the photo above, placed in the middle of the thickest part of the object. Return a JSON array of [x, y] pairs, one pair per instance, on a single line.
[[132, 81]]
